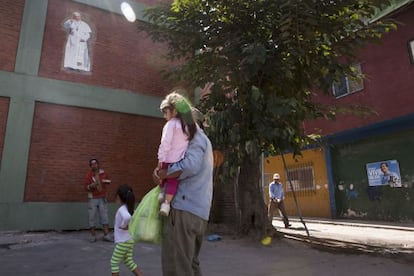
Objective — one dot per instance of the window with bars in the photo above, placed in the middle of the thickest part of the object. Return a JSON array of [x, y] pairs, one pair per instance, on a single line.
[[347, 85], [301, 177]]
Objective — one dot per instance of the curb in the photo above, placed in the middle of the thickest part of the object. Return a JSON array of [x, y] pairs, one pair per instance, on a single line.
[[365, 224]]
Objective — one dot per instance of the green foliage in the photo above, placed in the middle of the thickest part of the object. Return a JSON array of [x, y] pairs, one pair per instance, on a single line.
[[264, 57]]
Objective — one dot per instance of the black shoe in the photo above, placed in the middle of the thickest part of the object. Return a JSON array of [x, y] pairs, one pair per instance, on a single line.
[[288, 225]]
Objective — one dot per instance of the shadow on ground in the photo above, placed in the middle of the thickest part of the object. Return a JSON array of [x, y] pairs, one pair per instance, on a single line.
[[328, 245], [346, 247]]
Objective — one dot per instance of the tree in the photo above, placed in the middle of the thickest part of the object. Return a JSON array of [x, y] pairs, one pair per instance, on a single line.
[[265, 57]]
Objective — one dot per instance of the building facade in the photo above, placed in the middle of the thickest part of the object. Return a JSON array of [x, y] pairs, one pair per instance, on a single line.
[[356, 145], [56, 115]]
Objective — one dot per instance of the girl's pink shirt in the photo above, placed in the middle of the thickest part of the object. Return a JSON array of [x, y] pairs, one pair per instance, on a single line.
[[174, 142]]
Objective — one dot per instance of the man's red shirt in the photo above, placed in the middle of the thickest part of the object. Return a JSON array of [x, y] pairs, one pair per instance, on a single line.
[[90, 179]]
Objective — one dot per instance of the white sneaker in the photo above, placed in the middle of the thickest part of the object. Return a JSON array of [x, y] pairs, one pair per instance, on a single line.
[[165, 209]]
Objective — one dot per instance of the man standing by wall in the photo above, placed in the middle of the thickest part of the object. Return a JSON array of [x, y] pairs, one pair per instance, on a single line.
[[76, 50], [96, 181], [277, 200]]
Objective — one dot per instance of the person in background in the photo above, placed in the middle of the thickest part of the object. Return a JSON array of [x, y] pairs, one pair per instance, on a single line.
[[277, 200], [184, 228], [176, 134], [124, 244], [96, 182]]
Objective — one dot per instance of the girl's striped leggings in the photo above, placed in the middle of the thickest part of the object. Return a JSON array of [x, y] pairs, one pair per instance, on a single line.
[[123, 252]]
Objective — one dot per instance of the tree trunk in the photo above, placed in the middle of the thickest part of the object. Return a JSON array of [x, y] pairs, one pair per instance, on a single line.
[[223, 206], [249, 198]]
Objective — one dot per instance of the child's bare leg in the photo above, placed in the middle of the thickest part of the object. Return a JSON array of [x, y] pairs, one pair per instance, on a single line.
[[137, 272], [115, 274], [168, 198]]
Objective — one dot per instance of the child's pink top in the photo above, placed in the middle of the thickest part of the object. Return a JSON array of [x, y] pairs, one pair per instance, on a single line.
[[174, 142]]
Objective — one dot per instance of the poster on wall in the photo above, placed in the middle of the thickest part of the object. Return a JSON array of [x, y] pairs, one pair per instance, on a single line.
[[384, 173], [76, 49]]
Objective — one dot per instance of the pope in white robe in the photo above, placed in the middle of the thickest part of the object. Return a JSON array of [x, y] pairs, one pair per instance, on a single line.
[[76, 50]]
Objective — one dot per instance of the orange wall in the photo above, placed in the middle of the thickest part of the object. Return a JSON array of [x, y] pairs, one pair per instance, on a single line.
[[313, 203]]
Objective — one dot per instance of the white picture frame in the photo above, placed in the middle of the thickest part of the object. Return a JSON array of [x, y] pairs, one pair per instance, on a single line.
[[410, 45]]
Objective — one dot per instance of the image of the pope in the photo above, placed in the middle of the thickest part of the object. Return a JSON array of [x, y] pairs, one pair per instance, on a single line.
[[76, 49]]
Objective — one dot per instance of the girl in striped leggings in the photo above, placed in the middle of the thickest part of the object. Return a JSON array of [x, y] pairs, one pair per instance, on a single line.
[[124, 244]]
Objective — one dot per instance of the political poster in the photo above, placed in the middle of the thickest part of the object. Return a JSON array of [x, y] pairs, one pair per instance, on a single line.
[[384, 173]]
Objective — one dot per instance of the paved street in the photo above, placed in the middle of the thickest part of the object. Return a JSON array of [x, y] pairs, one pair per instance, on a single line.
[[70, 253], [380, 237]]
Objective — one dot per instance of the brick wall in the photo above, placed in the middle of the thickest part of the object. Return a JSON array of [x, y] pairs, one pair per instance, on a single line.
[[388, 84], [4, 109], [65, 138], [11, 15], [121, 57]]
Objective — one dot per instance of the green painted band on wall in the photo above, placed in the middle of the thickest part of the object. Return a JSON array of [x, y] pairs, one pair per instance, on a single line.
[[32, 216], [16, 150], [31, 37], [77, 94]]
